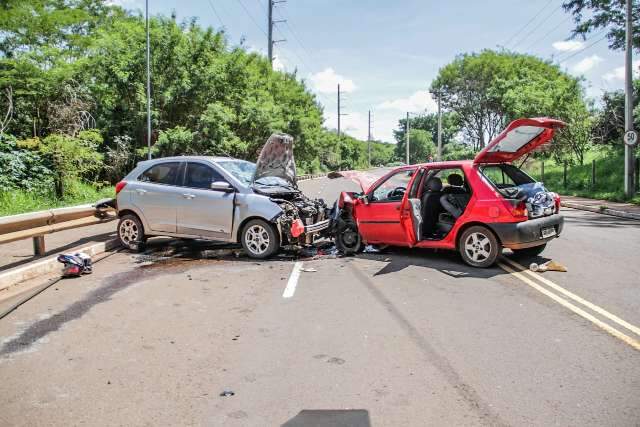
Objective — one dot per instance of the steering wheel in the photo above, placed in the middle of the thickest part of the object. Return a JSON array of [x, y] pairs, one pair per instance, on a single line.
[[397, 192]]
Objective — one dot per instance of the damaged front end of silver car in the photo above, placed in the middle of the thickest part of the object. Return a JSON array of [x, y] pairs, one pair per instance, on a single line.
[[303, 219]]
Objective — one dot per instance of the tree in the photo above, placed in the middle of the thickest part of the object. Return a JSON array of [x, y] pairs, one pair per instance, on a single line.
[[421, 146], [609, 122], [488, 89], [574, 140], [592, 15]]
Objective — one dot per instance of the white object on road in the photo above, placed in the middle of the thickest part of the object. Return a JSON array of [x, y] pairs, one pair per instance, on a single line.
[[293, 280]]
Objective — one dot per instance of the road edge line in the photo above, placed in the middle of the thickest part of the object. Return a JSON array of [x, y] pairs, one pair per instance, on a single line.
[[578, 299], [577, 310]]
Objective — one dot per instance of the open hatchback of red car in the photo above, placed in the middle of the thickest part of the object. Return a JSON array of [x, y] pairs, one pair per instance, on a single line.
[[519, 138]]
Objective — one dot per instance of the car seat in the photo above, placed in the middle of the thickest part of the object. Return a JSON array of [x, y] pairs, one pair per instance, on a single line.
[[431, 206]]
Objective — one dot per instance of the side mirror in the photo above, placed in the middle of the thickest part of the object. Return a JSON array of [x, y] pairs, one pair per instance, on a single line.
[[222, 186], [365, 199]]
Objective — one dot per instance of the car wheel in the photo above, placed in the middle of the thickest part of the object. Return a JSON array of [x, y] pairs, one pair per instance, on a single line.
[[348, 240], [259, 239], [529, 252], [131, 233], [479, 246]]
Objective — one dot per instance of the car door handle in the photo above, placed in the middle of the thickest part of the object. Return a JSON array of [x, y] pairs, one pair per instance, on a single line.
[[140, 190], [188, 196]]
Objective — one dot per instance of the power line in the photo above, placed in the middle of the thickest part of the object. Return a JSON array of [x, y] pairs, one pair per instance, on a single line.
[[553, 12], [216, 13], [548, 33], [527, 24], [581, 50], [251, 17]]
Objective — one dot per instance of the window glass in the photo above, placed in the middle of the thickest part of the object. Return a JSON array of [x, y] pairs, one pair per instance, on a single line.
[[517, 138], [163, 173], [240, 169], [201, 176], [505, 176], [393, 188]]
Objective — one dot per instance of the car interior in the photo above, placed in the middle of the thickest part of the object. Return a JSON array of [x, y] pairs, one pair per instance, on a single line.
[[437, 200]]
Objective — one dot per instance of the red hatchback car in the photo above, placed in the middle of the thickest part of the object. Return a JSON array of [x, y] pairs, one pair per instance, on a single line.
[[476, 207]]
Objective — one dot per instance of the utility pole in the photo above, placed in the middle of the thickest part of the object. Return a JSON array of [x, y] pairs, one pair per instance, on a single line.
[[369, 140], [630, 141], [407, 137], [148, 81], [270, 25], [439, 158], [339, 113]]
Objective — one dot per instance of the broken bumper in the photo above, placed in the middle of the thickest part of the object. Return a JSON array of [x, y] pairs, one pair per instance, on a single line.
[[317, 227], [527, 234]]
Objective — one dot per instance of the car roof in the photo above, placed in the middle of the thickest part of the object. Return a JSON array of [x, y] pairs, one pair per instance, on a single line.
[[186, 158]]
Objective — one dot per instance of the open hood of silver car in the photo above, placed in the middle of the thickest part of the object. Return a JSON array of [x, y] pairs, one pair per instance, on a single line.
[[276, 159]]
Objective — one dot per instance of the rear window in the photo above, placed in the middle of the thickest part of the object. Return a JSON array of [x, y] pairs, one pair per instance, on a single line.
[[163, 173], [505, 176]]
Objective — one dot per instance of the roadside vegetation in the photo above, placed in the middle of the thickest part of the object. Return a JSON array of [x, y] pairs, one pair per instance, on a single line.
[[73, 103]]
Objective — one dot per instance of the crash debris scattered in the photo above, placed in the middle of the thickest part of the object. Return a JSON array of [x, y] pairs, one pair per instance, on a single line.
[[547, 266], [75, 265]]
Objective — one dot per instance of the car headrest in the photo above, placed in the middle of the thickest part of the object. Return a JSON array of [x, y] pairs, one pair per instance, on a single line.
[[434, 184], [455, 179]]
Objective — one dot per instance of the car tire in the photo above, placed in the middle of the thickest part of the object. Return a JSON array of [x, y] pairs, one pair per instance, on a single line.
[[529, 252], [131, 233], [479, 247], [259, 239], [348, 239]]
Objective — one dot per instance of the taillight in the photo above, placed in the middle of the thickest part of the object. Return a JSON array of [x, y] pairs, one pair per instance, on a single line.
[[120, 186], [517, 208]]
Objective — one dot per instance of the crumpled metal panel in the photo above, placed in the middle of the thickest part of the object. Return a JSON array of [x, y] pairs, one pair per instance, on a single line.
[[276, 159]]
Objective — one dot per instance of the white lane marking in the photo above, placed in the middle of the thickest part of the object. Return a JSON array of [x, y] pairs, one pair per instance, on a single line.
[[580, 312], [577, 298], [293, 280]]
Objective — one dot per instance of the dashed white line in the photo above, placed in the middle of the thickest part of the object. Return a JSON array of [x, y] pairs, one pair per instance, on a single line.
[[293, 280]]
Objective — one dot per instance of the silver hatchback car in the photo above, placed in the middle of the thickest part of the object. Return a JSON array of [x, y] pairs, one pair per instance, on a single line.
[[220, 198]]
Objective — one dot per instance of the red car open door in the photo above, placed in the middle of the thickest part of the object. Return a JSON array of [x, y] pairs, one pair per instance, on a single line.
[[379, 221], [519, 138]]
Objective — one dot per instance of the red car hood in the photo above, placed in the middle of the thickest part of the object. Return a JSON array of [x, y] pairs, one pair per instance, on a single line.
[[362, 178], [519, 138]]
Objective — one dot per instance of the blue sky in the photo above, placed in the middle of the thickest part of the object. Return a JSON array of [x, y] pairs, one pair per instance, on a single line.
[[385, 53]]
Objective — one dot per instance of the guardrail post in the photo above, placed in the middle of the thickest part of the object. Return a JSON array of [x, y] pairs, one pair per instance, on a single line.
[[564, 176], [38, 245], [593, 174]]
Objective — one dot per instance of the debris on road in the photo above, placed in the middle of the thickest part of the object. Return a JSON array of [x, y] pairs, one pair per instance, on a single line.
[[547, 266], [308, 270], [76, 264], [227, 393]]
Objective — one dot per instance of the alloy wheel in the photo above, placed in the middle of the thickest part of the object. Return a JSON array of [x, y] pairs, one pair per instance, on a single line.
[[257, 239], [477, 247], [129, 232]]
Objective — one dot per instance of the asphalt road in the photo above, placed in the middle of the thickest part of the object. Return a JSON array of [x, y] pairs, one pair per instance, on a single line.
[[403, 337]]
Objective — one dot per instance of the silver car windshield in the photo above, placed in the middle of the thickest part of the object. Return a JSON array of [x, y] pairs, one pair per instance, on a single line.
[[242, 170]]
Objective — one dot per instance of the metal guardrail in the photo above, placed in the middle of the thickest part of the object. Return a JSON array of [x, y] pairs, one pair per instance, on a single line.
[[37, 224]]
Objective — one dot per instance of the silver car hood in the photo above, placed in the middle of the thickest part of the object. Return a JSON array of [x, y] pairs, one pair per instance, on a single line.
[[276, 159]]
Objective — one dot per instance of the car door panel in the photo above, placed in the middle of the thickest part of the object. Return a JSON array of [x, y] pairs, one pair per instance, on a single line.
[[157, 202], [204, 212]]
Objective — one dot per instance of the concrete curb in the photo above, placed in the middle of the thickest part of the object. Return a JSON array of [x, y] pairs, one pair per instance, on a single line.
[[38, 268], [603, 210]]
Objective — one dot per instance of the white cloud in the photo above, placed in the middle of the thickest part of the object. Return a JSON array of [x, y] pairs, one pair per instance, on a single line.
[[618, 73], [418, 101], [586, 64], [327, 82], [568, 46]]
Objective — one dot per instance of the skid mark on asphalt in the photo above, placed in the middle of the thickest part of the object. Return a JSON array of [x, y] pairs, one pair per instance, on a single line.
[[290, 289], [466, 391], [577, 310]]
